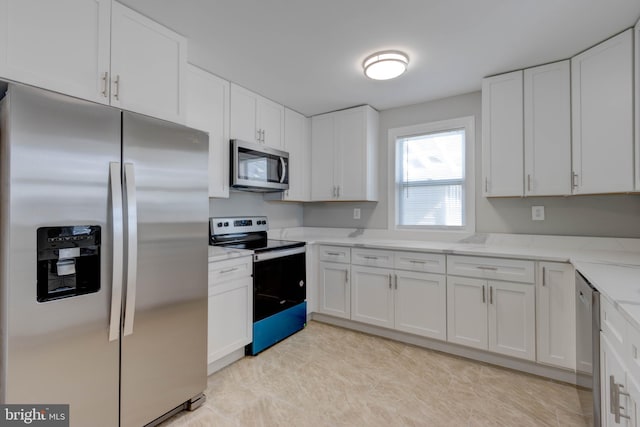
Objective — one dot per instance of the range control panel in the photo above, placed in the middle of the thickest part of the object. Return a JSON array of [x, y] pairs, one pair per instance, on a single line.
[[238, 224]]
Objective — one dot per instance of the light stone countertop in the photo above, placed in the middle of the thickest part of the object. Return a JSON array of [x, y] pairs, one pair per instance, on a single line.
[[217, 253], [612, 265]]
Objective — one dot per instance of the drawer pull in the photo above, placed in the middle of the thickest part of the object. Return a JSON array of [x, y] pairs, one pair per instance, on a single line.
[[483, 297], [334, 253], [415, 261], [369, 257], [484, 267], [228, 270]]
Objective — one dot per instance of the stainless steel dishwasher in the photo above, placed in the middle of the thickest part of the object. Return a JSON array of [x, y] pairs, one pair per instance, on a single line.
[[588, 349]]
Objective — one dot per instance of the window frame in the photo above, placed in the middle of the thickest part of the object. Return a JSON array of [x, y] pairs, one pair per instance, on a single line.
[[468, 124]]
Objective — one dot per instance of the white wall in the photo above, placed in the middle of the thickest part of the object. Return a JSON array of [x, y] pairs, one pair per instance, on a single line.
[[607, 215], [242, 203]]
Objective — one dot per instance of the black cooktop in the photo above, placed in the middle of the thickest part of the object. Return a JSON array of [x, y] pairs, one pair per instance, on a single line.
[[262, 245]]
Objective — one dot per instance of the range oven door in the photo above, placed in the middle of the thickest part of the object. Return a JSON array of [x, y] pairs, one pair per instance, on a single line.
[[279, 281]]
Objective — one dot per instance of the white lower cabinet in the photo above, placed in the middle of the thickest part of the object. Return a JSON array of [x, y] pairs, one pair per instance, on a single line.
[[467, 312], [333, 286], [421, 304], [230, 307], [556, 314], [404, 300], [492, 315], [615, 397]]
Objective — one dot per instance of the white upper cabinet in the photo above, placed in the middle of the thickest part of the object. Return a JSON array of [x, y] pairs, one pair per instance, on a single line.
[[97, 50], [255, 118], [297, 142], [62, 46], [502, 135], [207, 109], [547, 130], [602, 112], [344, 152], [148, 66]]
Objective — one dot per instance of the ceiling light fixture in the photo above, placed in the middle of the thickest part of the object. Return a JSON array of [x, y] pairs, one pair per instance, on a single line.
[[385, 65]]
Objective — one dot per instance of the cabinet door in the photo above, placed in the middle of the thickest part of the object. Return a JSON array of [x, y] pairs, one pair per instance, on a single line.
[[207, 109], [297, 144], [148, 66], [271, 122], [556, 314], [547, 130], [230, 317], [243, 112], [421, 304], [602, 112], [335, 293], [351, 154], [612, 375], [502, 140], [322, 154], [512, 325], [372, 295], [467, 312], [62, 46]]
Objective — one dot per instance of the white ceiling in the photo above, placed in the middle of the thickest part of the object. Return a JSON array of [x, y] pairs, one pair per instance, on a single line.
[[307, 54]]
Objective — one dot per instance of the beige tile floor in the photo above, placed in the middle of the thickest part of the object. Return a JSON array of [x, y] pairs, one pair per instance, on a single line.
[[329, 376]]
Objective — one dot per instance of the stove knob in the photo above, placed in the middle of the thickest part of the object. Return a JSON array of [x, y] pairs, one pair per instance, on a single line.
[[301, 283], [219, 224], [226, 224]]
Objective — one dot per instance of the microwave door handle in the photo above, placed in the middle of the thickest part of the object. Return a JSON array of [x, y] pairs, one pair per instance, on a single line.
[[284, 170]]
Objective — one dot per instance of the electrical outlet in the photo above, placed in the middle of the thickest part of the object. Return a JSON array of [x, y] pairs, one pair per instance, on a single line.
[[356, 213], [537, 213]]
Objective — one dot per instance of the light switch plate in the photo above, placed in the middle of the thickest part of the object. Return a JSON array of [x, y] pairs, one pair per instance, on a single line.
[[537, 213], [356, 213]]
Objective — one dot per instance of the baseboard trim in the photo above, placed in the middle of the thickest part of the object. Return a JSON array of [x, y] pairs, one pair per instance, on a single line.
[[529, 367], [225, 361]]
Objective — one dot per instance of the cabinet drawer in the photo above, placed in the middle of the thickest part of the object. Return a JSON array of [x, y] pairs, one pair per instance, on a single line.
[[223, 271], [339, 254], [372, 257], [491, 268], [418, 261], [613, 325]]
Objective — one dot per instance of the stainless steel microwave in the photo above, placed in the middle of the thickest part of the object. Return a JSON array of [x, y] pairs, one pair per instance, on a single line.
[[255, 167]]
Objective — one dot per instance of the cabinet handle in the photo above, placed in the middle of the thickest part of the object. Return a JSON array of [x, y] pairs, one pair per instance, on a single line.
[[258, 135], [528, 182], [263, 137], [334, 191], [415, 261], [338, 187], [396, 277], [574, 180], [370, 257], [483, 267], [228, 270], [486, 185], [389, 280], [490, 294], [105, 84], [116, 83], [346, 276], [544, 276], [483, 297], [334, 253]]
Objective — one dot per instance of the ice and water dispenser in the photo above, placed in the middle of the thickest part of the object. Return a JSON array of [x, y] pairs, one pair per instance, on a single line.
[[68, 261]]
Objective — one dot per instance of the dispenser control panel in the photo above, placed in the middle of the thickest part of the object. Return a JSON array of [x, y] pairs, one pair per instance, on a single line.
[[68, 261]]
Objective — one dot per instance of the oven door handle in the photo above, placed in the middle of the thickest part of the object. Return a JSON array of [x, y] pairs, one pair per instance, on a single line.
[[265, 256]]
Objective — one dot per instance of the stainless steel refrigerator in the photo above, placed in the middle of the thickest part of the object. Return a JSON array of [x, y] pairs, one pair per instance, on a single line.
[[103, 260]]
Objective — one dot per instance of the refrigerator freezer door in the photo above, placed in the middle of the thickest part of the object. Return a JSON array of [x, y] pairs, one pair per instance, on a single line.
[[56, 153], [164, 356]]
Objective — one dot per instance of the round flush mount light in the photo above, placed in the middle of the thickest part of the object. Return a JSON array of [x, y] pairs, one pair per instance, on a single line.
[[385, 65]]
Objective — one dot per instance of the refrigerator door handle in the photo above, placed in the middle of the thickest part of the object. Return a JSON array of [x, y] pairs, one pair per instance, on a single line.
[[118, 249], [132, 247]]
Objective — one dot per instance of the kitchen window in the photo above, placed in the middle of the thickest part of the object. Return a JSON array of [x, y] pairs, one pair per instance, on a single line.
[[432, 170]]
